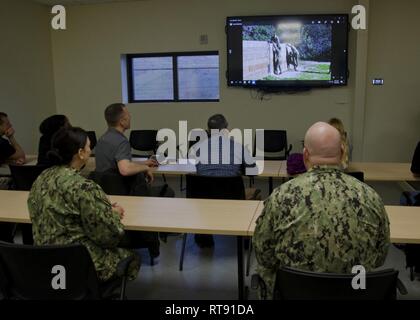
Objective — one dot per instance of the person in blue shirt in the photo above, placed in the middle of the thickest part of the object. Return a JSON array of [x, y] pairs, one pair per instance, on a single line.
[[227, 159]]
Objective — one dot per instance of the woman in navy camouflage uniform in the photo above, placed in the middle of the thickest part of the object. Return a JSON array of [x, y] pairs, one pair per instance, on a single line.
[[66, 208]]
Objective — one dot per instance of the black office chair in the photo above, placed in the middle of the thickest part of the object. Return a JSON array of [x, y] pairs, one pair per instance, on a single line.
[[115, 184], [275, 142], [293, 284], [191, 143], [23, 178], [92, 138], [112, 182], [26, 273], [359, 175], [204, 187], [144, 141]]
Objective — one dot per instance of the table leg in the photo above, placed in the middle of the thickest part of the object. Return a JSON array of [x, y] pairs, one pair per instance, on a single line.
[[240, 252]]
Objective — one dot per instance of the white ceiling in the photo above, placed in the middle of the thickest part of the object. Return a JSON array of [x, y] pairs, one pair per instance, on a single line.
[[79, 2]]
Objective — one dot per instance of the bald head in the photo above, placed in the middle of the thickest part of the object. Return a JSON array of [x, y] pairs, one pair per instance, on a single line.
[[322, 145]]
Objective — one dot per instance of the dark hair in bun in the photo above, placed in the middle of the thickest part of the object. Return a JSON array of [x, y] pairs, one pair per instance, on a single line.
[[66, 142]]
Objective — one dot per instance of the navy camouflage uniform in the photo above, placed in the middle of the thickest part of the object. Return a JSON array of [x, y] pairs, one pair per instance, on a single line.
[[66, 208], [322, 221]]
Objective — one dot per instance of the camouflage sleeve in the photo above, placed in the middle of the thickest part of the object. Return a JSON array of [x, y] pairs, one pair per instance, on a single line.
[[100, 223], [263, 240]]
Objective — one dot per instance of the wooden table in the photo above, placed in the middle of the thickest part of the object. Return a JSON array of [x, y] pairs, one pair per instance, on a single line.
[[225, 217], [384, 171], [374, 171], [271, 169], [404, 224]]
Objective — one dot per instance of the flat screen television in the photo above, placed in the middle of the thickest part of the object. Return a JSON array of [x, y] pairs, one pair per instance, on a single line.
[[293, 51]]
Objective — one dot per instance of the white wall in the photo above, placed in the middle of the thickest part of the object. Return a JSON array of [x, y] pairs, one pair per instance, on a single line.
[[26, 82], [83, 71], [392, 125], [87, 67]]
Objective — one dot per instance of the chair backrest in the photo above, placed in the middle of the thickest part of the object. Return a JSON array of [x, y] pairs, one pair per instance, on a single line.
[[25, 176], [293, 284], [204, 187], [112, 182], [275, 141], [144, 140], [92, 138], [359, 175], [33, 272]]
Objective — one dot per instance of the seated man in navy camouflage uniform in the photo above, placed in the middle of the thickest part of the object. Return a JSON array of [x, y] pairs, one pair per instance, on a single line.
[[323, 220]]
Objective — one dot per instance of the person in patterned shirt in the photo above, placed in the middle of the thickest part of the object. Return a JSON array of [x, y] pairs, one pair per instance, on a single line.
[[323, 220], [66, 208]]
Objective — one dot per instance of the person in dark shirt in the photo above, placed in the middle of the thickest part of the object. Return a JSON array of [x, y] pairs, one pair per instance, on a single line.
[[10, 150], [47, 128], [415, 163], [113, 154]]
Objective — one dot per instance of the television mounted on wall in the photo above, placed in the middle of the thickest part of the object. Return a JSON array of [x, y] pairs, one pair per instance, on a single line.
[[287, 51]]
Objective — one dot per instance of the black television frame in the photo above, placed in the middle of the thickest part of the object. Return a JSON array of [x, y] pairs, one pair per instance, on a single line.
[[291, 85]]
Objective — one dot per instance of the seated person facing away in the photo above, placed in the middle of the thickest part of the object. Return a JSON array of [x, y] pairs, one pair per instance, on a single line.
[[225, 158], [415, 163], [47, 129], [323, 220], [66, 208], [338, 124], [113, 151], [234, 162], [10, 150]]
